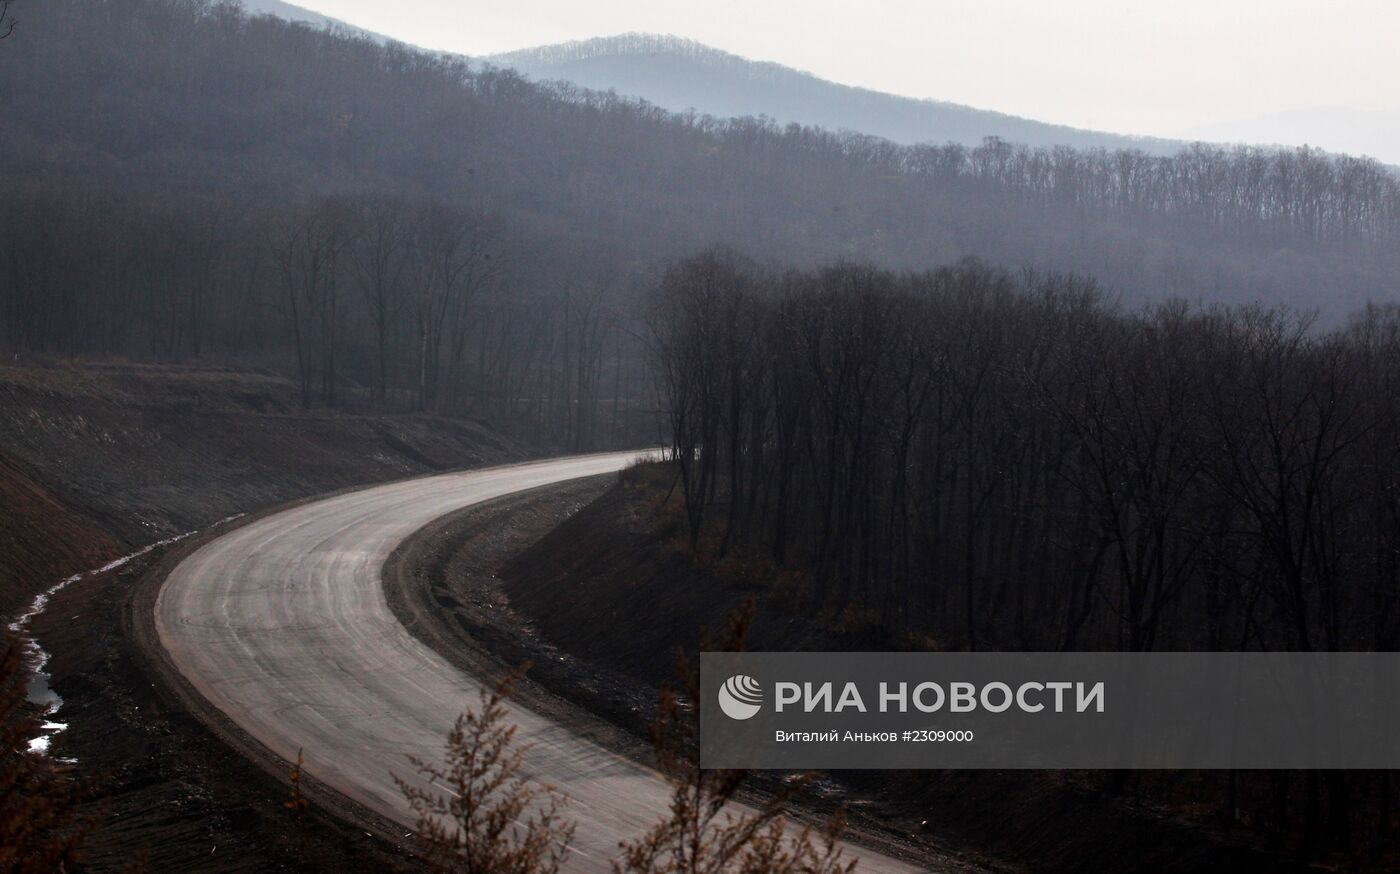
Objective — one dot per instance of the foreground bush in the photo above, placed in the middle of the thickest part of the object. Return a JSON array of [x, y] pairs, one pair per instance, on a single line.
[[490, 819], [707, 831]]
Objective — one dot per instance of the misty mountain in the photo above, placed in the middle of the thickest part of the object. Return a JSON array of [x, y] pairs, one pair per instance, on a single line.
[[161, 155], [301, 15], [290, 13], [682, 75], [1334, 128]]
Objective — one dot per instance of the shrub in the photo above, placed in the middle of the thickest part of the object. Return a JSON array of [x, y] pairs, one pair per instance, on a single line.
[[491, 819]]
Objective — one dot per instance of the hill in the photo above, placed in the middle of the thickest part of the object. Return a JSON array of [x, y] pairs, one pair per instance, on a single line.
[[680, 75], [169, 167], [289, 12]]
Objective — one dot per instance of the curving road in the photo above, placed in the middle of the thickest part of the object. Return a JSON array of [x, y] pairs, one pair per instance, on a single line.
[[283, 625]]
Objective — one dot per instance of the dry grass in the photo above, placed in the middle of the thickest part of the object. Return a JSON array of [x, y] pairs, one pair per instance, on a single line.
[[489, 818], [706, 830]]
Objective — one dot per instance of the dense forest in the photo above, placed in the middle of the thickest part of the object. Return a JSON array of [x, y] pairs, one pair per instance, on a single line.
[[1010, 462], [967, 459], [182, 180]]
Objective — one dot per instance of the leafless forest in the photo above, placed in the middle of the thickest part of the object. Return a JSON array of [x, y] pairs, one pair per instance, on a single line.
[[1008, 462], [181, 181], [968, 459]]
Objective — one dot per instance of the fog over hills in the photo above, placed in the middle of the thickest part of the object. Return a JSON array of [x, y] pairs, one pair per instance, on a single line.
[[302, 15], [289, 12], [681, 75], [198, 134]]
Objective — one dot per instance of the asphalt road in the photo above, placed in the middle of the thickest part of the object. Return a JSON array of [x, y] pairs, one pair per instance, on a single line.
[[283, 625]]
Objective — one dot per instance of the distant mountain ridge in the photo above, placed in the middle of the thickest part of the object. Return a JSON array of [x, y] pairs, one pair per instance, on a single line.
[[301, 15], [681, 74]]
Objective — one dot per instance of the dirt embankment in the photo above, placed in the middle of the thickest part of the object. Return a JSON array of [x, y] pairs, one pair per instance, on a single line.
[[42, 540], [443, 584], [97, 461], [602, 601], [144, 452], [611, 587]]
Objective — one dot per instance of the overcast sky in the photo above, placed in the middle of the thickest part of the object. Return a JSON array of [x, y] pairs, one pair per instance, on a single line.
[[1145, 67]]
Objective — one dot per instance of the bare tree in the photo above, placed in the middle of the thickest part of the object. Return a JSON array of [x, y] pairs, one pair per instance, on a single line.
[[489, 818], [381, 260], [706, 830], [455, 256], [307, 249]]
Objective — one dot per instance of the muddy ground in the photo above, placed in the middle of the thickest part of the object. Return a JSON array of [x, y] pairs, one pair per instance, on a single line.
[[600, 602], [97, 461]]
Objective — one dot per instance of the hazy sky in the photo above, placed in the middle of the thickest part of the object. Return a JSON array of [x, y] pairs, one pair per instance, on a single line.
[[1144, 67]]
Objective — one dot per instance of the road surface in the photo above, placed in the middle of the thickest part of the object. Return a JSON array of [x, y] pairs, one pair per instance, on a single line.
[[283, 625]]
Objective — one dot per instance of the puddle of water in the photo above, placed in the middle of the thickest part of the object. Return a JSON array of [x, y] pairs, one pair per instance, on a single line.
[[39, 692], [40, 743]]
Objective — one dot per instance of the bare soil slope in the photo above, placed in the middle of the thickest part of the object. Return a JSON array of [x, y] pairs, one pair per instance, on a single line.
[[147, 451], [42, 539], [610, 585]]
